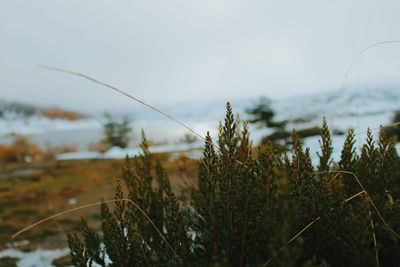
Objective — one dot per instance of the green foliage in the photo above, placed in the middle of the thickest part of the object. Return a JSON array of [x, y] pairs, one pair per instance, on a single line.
[[249, 204], [263, 113], [116, 133], [326, 148], [128, 238]]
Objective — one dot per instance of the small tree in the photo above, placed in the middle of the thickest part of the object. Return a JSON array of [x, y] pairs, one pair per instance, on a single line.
[[263, 113], [116, 133]]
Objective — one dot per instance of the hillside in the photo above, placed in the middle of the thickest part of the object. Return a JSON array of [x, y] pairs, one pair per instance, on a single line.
[[334, 105], [358, 109], [25, 119], [10, 110]]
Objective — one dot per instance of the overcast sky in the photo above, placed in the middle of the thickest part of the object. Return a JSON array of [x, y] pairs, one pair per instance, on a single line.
[[172, 51]]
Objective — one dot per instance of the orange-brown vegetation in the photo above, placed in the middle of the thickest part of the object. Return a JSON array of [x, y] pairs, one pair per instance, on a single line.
[[21, 150], [56, 113]]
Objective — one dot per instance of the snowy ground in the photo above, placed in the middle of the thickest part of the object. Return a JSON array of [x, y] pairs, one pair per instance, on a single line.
[[36, 258], [119, 153]]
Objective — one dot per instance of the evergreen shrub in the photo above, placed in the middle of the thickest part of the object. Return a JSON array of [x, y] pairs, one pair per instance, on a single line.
[[252, 208]]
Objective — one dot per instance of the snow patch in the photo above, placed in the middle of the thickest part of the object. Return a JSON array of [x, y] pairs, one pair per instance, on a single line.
[[119, 153], [37, 258]]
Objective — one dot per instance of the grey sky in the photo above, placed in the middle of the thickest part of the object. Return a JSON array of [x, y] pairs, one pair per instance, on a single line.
[[167, 51]]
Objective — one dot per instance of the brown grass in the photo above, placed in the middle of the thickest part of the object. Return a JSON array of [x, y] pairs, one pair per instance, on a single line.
[[20, 150], [49, 188], [8, 154], [56, 113]]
